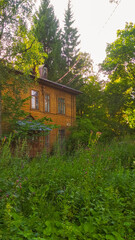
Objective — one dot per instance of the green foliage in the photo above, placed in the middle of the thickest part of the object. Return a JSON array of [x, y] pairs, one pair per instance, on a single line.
[[12, 14], [111, 108], [130, 117], [70, 38], [119, 64], [11, 112], [20, 51], [80, 134], [90, 103], [89, 195], [62, 48], [92, 141], [27, 128], [46, 28], [120, 53], [13, 83], [81, 71], [27, 51]]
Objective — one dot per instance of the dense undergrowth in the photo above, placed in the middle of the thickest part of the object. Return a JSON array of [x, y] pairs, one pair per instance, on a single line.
[[89, 195]]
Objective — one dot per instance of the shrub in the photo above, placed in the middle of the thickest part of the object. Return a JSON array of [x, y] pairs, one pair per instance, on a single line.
[[80, 134], [89, 195]]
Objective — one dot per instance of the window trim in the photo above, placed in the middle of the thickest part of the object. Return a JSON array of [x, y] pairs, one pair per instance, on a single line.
[[62, 107], [47, 94], [36, 108]]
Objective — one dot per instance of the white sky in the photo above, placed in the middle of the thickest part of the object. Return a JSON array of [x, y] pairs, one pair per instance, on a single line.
[[91, 21]]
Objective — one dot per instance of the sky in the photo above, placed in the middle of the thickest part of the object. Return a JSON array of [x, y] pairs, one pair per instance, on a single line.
[[97, 22]]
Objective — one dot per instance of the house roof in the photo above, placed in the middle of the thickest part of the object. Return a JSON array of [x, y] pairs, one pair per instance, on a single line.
[[59, 86], [54, 84]]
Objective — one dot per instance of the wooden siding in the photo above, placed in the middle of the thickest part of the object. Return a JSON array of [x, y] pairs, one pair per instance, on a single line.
[[63, 120], [55, 91]]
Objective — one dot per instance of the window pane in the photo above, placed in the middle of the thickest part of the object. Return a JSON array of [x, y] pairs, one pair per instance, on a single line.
[[47, 103], [45, 106], [34, 99], [34, 93], [33, 104], [61, 105]]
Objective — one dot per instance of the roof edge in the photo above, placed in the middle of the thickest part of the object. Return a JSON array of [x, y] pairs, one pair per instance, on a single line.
[[60, 86], [54, 84]]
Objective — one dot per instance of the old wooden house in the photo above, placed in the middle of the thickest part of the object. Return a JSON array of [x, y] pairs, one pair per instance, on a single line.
[[55, 101]]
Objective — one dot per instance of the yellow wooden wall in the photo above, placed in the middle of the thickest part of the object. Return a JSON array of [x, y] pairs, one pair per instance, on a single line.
[[70, 103], [63, 120]]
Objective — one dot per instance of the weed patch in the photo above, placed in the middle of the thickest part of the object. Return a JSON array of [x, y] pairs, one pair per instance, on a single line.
[[89, 195]]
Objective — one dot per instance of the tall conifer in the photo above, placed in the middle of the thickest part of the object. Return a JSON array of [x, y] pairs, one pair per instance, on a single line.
[[48, 32], [70, 46], [70, 38]]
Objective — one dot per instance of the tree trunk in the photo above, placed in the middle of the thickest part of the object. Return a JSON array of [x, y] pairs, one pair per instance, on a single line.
[[0, 113]]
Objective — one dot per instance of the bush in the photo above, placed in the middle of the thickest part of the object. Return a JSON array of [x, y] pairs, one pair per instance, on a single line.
[[89, 195], [80, 134]]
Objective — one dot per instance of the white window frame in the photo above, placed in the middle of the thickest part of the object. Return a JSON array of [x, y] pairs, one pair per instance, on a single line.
[[34, 99], [47, 103]]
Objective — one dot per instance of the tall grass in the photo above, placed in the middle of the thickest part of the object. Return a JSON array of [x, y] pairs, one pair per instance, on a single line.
[[89, 195]]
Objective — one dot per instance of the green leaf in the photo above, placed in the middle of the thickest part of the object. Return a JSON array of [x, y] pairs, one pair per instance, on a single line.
[[117, 235], [110, 237]]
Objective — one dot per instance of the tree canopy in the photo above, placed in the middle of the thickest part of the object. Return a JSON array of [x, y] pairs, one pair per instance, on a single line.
[[70, 38], [79, 65], [47, 30], [13, 14], [21, 51], [119, 65], [27, 43]]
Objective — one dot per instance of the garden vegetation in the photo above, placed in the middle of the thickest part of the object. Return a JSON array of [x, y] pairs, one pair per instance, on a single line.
[[87, 195], [85, 191]]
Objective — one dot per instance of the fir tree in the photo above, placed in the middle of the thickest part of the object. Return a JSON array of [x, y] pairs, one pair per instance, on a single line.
[[49, 34], [70, 47], [70, 38]]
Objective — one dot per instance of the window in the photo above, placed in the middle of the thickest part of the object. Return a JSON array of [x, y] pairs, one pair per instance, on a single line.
[[34, 100], [47, 103], [61, 105]]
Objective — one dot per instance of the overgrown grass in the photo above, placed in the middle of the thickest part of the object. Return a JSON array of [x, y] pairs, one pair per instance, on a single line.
[[89, 195]]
